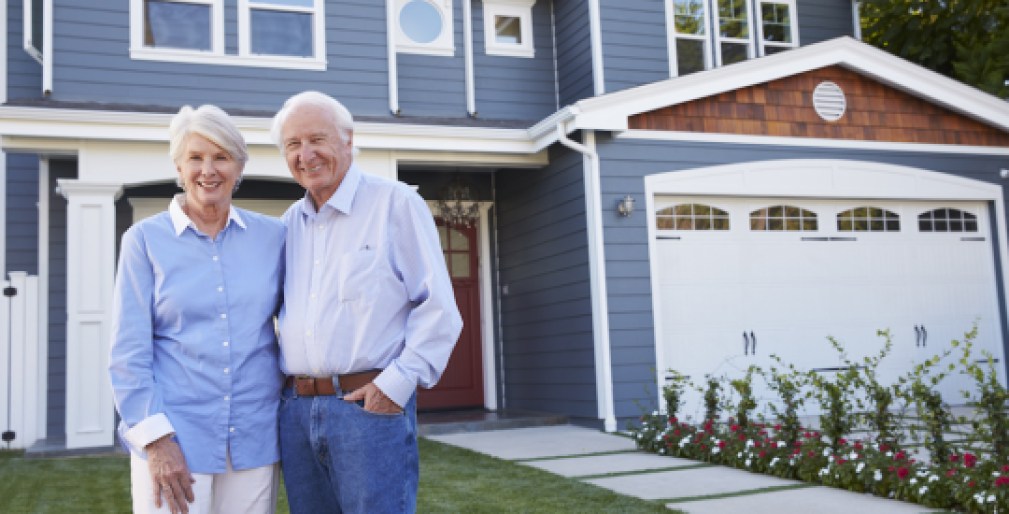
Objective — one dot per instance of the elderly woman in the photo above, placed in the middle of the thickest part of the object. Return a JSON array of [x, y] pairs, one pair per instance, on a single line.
[[194, 352]]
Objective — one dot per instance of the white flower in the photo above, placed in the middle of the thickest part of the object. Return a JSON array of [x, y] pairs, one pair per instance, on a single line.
[[748, 462], [823, 472], [878, 475], [739, 455], [991, 498], [889, 453], [995, 474], [715, 450], [923, 490], [860, 467], [791, 462], [774, 461], [922, 473], [852, 455], [782, 444], [914, 481], [830, 459], [979, 497], [826, 452], [933, 478], [749, 443], [684, 442]]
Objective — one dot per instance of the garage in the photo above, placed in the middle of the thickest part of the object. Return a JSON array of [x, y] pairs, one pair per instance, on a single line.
[[742, 277]]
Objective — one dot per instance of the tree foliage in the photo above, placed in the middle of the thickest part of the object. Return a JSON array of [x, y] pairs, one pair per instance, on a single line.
[[967, 40]]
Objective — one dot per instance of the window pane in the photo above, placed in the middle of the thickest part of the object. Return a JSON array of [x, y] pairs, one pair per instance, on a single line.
[[458, 240], [508, 30], [732, 19], [777, 26], [689, 56], [733, 52], [281, 33], [420, 21], [177, 25], [460, 265], [688, 17]]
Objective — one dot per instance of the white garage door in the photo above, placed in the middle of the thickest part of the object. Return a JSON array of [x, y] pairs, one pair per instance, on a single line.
[[740, 279]]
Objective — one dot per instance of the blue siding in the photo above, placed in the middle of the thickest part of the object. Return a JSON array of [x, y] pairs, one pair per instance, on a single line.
[[546, 317], [92, 63], [22, 213], [820, 20], [574, 50], [624, 164], [634, 42], [57, 393], [24, 74], [517, 88]]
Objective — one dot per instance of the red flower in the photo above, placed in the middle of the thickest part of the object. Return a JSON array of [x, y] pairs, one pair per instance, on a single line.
[[676, 432], [969, 460], [734, 428], [858, 445], [1005, 468], [721, 444], [777, 428], [840, 461], [742, 436], [971, 484], [1001, 481], [902, 472], [900, 456], [842, 441], [950, 472], [954, 458], [811, 454], [762, 454], [883, 447]]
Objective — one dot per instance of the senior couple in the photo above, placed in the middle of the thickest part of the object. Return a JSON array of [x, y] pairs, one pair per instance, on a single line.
[[354, 273]]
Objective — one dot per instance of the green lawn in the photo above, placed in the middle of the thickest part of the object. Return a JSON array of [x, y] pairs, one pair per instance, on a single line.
[[452, 480]]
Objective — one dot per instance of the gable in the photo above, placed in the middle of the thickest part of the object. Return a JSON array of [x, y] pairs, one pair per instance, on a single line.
[[784, 108]]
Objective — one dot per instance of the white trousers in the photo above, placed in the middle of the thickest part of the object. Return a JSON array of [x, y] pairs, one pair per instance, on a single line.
[[250, 491]]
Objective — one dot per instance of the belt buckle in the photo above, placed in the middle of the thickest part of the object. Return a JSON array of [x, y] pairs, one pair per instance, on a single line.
[[304, 385]]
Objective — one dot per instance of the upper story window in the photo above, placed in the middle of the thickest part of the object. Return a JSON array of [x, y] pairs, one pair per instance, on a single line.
[[508, 27], [425, 27], [691, 216], [787, 218], [271, 33], [707, 33], [947, 220], [868, 219]]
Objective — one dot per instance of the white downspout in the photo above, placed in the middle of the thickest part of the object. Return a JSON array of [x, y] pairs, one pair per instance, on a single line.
[[596, 37], [597, 274], [856, 16], [390, 43], [467, 32], [3, 155], [47, 47]]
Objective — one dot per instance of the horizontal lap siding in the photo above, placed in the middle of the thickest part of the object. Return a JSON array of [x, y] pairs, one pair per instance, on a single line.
[[518, 88], [820, 20], [546, 317], [574, 50], [22, 213], [24, 74], [624, 164], [92, 63], [634, 43]]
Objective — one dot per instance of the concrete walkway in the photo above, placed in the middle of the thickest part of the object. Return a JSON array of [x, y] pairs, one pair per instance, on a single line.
[[611, 461]]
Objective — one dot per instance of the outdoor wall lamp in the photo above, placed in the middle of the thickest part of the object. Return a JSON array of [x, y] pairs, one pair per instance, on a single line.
[[1004, 172], [625, 206]]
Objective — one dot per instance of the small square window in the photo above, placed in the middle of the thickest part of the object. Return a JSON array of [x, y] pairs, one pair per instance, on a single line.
[[508, 29]]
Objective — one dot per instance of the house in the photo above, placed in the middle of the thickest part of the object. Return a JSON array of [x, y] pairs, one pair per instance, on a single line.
[[627, 188]]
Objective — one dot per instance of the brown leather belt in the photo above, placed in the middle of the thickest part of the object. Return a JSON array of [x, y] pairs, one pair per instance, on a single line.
[[324, 386]]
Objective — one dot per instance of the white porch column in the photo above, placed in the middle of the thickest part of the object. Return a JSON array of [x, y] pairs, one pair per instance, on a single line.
[[91, 256]]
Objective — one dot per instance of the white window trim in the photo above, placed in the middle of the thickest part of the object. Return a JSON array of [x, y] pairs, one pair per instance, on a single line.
[[317, 11], [216, 55], [718, 39], [672, 36], [793, 27], [521, 9], [443, 46]]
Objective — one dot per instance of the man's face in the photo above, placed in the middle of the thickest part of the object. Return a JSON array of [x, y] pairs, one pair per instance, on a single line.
[[317, 153]]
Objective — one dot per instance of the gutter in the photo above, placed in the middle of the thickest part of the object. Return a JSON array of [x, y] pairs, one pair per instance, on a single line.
[[597, 274], [467, 31]]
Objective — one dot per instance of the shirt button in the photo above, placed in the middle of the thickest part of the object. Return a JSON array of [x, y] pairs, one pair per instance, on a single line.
[[220, 289], [215, 257], [316, 262], [224, 316], [227, 398], [224, 343], [308, 334], [227, 370], [231, 429]]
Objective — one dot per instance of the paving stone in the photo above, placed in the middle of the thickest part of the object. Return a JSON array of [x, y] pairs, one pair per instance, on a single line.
[[603, 464], [686, 483], [538, 442], [821, 500]]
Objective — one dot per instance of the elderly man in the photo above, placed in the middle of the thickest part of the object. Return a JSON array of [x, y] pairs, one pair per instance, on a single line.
[[369, 314]]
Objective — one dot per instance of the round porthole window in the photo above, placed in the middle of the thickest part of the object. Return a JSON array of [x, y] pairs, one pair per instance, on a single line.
[[420, 21], [828, 100]]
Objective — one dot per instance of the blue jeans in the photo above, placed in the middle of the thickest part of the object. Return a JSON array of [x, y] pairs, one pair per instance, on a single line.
[[339, 458]]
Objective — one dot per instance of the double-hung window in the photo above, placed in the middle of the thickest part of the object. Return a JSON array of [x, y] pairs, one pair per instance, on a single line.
[[270, 33], [708, 33]]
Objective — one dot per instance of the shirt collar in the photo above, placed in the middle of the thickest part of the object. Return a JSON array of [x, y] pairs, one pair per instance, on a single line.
[[343, 198], [180, 221]]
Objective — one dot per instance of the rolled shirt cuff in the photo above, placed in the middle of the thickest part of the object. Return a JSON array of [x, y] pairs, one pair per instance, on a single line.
[[398, 388], [150, 429]]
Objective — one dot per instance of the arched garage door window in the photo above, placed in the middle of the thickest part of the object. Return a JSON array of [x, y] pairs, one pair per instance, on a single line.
[[691, 216]]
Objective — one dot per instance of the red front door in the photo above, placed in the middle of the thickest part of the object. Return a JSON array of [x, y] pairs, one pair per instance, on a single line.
[[461, 384]]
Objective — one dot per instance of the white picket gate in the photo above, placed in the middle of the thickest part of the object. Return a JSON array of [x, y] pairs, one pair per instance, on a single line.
[[23, 363]]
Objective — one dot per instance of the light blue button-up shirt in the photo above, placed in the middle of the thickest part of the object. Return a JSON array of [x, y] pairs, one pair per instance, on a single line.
[[366, 288], [194, 350]]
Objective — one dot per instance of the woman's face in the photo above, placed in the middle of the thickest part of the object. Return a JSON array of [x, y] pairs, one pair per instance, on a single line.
[[208, 173]]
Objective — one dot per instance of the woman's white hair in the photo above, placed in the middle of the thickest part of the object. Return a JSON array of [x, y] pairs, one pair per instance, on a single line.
[[342, 118], [212, 123]]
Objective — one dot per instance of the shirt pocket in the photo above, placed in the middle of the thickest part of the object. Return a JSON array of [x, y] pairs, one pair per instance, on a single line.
[[359, 272]]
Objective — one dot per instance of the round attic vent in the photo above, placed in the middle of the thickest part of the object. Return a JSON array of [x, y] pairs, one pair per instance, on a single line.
[[828, 100]]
